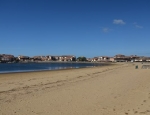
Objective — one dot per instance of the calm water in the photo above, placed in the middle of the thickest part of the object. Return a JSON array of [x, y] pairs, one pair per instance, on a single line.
[[24, 67]]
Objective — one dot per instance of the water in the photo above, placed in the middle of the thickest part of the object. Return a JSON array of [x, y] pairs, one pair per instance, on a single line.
[[25, 67]]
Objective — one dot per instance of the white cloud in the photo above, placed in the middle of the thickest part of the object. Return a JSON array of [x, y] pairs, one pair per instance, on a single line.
[[105, 29], [121, 22], [137, 26]]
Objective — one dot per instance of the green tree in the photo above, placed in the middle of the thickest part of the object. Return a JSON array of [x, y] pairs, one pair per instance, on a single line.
[[81, 59]]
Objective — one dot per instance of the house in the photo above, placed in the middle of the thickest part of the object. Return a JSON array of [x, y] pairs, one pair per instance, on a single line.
[[64, 58], [50, 58], [121, 58], [89, 59], [95, 59], [141, 59], [111, 59], [55, 58], [61, 58], [37, 58], [23, 58], [68, 58], [148, 59], [43, 58], [40, 58], [103, 58], [6, 58], [133, 58]]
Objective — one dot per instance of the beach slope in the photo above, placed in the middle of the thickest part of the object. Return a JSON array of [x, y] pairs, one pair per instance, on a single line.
[[118, 89]]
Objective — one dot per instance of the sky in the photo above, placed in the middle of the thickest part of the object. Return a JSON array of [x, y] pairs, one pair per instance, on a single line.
[[75, 27]]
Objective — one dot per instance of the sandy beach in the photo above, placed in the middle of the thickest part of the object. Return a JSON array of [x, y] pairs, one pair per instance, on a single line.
[[118, 89]]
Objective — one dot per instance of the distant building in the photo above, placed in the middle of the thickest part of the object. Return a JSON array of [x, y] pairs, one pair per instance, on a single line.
[[23, 58], [111, 59], [141, 59], [89, 59], [50, 58], [36, 58], [121, 58], [6, 58], [44, 58], [148, 59], [134, 58], [95, 59], [67, 58], [56, 58], [103, 59]]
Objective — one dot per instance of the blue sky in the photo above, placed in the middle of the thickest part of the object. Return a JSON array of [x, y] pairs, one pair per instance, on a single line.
[[75, 27]]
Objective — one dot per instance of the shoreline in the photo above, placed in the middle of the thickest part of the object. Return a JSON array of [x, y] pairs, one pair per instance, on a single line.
[[58, 62]]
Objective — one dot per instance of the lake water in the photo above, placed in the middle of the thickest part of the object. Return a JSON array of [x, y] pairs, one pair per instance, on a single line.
[[25, 67]]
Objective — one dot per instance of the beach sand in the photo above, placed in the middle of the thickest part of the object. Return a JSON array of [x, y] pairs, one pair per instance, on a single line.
[[119, 89]]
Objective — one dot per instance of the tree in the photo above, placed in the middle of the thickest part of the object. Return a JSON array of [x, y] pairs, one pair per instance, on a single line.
[[81, 59]]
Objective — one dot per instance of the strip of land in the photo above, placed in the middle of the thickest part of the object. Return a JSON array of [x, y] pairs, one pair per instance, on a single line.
[[118, 89]]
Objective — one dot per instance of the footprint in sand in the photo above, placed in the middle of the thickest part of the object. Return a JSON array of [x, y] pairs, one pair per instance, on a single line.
[[135, 111], [144, 100]]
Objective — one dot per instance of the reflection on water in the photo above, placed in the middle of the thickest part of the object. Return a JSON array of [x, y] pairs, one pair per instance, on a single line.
[[24, 67]]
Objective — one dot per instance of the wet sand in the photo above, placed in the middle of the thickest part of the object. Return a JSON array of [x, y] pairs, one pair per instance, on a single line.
[[109, 90]]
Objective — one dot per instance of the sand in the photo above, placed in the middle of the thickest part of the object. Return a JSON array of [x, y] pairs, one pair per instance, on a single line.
[[119, 89]]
